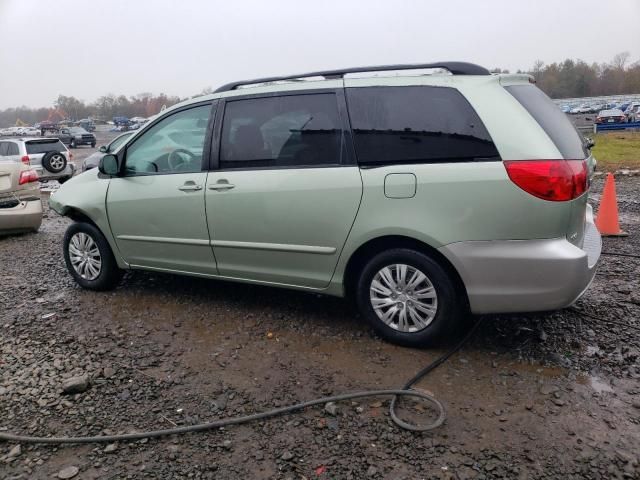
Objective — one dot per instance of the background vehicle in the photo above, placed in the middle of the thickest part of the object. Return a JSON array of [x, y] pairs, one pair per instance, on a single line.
[[47, 156], [92, 160], [20, 205], [75, 136], [611, 116], [423, 199], [633, 112]]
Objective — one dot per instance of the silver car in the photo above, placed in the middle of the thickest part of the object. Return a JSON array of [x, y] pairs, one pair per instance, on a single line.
[[47, 156]]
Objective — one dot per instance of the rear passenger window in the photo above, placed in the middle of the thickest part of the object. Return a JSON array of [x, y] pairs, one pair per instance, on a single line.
[[4, 148], [286, 131], [416, 125], [12, 149]]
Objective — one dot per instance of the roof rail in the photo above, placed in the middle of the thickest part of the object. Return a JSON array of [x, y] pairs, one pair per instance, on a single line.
[[456, 68]]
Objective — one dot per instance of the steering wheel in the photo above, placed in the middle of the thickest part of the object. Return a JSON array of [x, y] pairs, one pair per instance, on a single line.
[[176, 162]]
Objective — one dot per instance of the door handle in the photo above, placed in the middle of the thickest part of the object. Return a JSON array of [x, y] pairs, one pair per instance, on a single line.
[[221, 186], [190, 187]]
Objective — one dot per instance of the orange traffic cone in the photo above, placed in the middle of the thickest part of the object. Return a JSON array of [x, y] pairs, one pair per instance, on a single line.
[[607, 219]]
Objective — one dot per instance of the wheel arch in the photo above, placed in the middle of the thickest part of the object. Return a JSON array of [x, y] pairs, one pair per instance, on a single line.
[[372, 247]]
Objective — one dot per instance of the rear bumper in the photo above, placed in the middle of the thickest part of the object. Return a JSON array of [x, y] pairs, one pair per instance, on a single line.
[[23, 217], [526, 275], [44, 174]]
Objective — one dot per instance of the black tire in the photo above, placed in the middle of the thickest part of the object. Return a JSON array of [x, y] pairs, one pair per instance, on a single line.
[[72, 143], [93, 145], [54, 162], [61, 180], [109, 274], [449, 309]]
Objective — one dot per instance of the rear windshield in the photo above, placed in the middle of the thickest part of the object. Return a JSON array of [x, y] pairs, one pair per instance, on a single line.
[[40, 146], [555, 123]]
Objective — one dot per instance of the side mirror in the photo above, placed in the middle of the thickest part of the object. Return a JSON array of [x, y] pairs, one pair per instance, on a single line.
[[109, 165], [103, 149]]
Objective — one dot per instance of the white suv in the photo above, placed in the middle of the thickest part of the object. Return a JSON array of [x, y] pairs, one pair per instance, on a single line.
[[48, 156]]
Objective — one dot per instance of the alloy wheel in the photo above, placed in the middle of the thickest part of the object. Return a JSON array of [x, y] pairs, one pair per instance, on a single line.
[[403, 297], [85, 256]]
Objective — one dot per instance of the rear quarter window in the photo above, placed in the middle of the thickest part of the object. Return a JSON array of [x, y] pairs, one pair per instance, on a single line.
[[555, 123], [422, 124]]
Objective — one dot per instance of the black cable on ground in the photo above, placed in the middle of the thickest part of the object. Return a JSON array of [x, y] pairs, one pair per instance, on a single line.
[[605, 320], [620, 254], [405, 391]]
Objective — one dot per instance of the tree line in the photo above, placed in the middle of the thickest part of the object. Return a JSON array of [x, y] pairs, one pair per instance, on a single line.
[[567, 79], [575, 78]]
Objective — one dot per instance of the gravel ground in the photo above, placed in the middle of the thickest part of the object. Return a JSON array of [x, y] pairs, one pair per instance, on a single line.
[[545, 396]]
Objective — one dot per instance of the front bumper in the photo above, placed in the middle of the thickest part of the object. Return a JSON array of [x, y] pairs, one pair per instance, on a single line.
[[526, 275], [23, 217]]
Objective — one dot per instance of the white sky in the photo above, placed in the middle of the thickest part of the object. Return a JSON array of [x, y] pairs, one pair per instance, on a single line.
[[88, 48]]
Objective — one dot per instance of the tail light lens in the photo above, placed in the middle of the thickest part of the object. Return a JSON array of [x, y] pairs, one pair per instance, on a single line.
[[28, 176], [553, 180], [26, 160]]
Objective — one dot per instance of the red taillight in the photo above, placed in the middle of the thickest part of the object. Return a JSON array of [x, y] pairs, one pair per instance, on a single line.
[[28, 176], [553, 180], [26, 160]]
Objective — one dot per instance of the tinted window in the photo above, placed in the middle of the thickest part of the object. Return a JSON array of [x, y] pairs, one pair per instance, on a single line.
[[44, 146], [555, 123], [415, 125], [173, 145], [13, 149], [4, 148], [292, 130]]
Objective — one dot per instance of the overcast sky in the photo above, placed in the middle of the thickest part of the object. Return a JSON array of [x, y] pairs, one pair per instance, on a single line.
[[88, 48]]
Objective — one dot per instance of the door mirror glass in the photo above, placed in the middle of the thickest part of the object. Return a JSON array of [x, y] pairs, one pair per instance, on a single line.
[[103, 149], [109, 165]]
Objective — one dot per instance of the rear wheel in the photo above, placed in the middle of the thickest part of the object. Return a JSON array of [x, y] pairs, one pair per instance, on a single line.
[[89, 258], [408, 298]]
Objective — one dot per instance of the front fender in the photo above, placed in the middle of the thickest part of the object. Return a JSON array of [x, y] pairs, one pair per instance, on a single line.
[[86, 194]]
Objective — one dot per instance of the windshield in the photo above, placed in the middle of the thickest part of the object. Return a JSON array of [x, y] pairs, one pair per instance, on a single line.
[[77, 130]]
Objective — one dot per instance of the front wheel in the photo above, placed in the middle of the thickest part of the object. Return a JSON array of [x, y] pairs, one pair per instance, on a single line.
[[408, 298], [89, 258], [72, 144]]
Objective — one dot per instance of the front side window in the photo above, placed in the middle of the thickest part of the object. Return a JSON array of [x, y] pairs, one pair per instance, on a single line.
[[287, 131], [4, 148], [394, 125], [173, 145], [113, 146]]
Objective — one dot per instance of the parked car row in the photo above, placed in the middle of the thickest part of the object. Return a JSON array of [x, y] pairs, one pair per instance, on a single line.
[[19, 131], [606, 111]]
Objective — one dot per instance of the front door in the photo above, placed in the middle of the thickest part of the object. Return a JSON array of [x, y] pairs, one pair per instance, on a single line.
[[286, 193], [156, 210]]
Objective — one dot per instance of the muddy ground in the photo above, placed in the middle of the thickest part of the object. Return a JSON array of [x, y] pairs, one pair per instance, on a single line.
[[548, 396]]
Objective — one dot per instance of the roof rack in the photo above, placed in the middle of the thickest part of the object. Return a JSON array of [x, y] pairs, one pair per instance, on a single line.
[[456, 68]]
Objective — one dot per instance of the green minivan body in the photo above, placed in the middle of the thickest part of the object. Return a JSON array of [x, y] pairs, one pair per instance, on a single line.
[[422, 196]]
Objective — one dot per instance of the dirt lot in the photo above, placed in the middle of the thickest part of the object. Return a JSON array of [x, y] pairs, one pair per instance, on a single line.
[[550, 396]]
